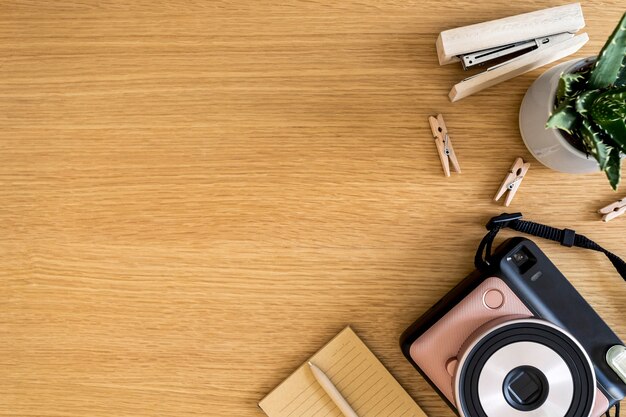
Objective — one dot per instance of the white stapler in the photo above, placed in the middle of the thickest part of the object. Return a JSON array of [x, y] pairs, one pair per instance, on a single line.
[[525, 42]]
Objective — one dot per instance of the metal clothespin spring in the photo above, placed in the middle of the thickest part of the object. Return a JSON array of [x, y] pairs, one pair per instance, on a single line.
[[515, 181], [446, 150]]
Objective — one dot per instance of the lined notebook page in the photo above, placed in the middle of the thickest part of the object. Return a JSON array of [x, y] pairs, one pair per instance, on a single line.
[[355, 371]]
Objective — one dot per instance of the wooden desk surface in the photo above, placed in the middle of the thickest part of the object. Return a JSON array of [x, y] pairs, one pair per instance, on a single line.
[[196, 195]]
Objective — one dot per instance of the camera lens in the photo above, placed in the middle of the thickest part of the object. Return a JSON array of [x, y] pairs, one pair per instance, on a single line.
[[525, 388]]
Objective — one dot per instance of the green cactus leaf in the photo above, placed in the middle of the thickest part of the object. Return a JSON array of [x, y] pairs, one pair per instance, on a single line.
[[616, 94], [608, 111], [564, 117], [570, 84], [585, 101], [593, 139], [621, 76], [608, 67], [617, 132], [603, 111], [613, 104], [613, 168]]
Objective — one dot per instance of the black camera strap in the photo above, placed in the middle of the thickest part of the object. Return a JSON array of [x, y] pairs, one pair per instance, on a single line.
[[566, 237], [616, 411]]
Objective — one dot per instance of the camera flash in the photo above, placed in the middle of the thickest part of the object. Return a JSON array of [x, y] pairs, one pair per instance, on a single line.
[[616, 357], [536, 276]]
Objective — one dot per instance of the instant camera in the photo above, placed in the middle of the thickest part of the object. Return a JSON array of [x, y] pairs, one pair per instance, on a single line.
[[515, 339]]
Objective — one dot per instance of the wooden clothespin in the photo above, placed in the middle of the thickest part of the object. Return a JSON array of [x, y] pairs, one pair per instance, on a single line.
[[512, 181], [444, 144], [613, 210]]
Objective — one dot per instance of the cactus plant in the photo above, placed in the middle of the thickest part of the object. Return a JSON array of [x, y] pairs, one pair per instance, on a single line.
[[591, 106]]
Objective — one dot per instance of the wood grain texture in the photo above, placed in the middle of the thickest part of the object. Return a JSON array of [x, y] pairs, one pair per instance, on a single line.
[[196, 195]]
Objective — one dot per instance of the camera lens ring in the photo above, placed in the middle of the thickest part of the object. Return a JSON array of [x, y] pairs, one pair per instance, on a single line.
[[468, 400]]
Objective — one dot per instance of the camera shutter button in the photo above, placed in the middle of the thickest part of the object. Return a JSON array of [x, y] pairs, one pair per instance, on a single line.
[[493, 299]]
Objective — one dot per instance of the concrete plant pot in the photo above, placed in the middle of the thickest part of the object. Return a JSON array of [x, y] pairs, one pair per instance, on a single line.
[[549, 146]]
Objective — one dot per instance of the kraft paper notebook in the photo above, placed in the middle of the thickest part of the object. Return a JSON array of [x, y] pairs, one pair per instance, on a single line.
[[360, 377]]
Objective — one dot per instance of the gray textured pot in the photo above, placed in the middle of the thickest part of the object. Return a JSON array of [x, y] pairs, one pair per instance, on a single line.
[[548, 146]]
